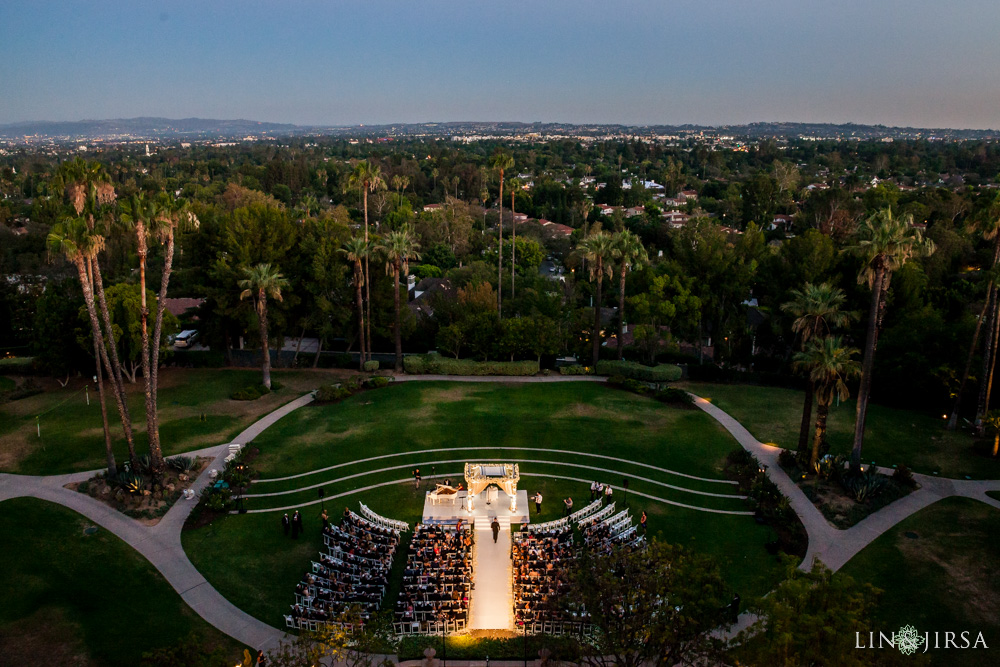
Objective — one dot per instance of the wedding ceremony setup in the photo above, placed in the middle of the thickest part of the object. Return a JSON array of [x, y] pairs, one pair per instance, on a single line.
[[466, 568]]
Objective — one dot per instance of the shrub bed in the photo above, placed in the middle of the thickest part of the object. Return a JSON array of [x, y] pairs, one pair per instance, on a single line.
[[635, 371], [576, 370], [675, 396], [330, 393], [433, 364], [17, 365], [254, 391]]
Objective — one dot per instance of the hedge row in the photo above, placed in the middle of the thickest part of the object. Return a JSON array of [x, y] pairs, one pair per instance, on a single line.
[[433, 364], [576, 370], [634, 371]]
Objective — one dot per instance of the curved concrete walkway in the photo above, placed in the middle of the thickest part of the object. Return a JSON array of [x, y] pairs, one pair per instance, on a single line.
[[161, 544], [827, 543]]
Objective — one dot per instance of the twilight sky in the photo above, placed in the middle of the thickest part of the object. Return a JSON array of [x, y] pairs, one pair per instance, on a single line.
[[897, 62]]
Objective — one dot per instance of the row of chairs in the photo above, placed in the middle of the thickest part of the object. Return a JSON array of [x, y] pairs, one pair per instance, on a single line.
[[429, 627], [393, 524]]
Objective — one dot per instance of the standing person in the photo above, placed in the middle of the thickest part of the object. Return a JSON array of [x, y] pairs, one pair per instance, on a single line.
[[642, 522], [568, 503], [593, 490], [326, 519], [538, 502], [416, 478], [295, 525], [286, 523], [261, 659], [496, 529], [607, 492], [297, 521]]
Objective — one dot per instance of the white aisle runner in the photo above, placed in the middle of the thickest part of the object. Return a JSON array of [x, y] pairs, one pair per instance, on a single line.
[[493, 575]]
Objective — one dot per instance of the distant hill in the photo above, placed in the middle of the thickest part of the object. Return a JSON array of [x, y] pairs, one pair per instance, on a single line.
[[152, 128], [204, 128]]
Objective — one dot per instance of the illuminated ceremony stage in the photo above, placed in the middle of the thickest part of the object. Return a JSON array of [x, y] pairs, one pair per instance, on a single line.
[[482, 499]]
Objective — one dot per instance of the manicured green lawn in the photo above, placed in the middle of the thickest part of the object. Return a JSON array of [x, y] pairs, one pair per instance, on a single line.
[[415, 417], [892, 436], [72, 598], [195, 412], [941, 577]]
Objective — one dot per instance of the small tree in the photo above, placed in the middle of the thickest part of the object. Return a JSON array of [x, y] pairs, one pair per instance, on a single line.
[[262, 282], [658, 605]]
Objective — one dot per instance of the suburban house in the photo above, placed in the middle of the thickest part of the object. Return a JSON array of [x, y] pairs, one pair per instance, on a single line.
[[430, 208], [554, 228], [676, 219], [782, 221]]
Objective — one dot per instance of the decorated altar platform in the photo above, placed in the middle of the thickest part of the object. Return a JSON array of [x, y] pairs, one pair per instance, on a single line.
[[449, 512]]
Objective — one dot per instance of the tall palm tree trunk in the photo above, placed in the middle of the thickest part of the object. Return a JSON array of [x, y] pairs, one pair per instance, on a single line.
[[156, 458], [621, 311], [988, 352], [156, 453], [597, 312], [361, 314], [500, 258], [996, 346], [806, 423], [109, 451], [264, 344], [395, 327], [88, 298], [866, 368], [368, 292], [953, 419], [116, 369], [822, 410]]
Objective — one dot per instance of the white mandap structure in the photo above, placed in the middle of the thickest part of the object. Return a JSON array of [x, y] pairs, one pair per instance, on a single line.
[[480, 476]]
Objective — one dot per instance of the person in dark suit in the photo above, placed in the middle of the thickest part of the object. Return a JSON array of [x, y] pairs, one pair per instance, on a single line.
[[286, 523], [296, 525], [496, 529]]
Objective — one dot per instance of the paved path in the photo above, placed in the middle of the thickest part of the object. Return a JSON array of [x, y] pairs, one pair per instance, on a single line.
[[827, 543], [492, 606], [499, 378], [161, 544]]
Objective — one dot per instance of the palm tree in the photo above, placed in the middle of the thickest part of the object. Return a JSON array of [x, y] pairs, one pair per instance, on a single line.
[[171, 216], [367, 177], [357, 250], [817, 311], [514, 184], [136, 215], [74, 240], [400, 182], [829, 365], [599, 249], [262, 282], [399, 247], [630, 252], [885, 243], [501, 161]]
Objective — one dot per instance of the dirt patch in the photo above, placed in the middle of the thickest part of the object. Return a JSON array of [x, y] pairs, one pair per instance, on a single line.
[[12, 451], [149, 506], [967, 578], [44, 638], [449, 395], [578, 410]]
